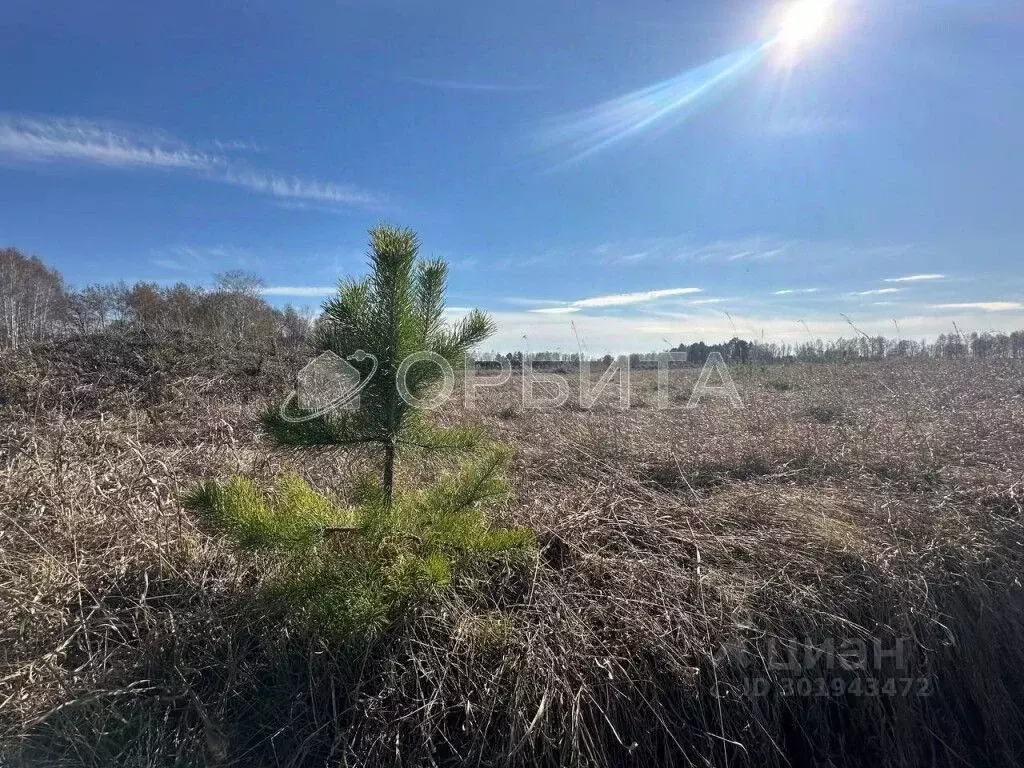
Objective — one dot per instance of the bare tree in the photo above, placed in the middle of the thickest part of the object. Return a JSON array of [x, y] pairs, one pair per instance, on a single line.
[[240, 311], [32, 299], [294, 328], [143, 306], [95, 307], [239, 281]]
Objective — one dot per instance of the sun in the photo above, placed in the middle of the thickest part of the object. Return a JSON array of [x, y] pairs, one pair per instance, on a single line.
[[803, 22]]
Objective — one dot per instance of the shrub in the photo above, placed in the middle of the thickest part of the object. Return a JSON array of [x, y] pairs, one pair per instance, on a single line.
[[351, 570]]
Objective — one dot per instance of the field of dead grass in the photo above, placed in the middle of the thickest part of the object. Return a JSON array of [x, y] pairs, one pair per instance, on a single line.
[[685, 554]]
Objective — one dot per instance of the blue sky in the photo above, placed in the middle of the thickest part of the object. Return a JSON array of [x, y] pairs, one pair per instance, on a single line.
[[638, 172]]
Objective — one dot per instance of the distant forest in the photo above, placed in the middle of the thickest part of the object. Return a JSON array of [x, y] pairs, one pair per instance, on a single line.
[[36, 305], [858, 347]]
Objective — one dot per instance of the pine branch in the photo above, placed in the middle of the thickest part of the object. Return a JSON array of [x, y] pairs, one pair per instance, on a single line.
[[431, 280]]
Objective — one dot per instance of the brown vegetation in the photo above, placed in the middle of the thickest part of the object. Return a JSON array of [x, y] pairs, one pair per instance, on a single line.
[[678, 548]]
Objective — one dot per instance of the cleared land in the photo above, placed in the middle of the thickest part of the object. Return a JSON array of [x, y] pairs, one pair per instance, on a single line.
[[684, 556]]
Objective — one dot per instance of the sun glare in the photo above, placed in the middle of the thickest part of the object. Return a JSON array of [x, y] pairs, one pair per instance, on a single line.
[[803, 22]]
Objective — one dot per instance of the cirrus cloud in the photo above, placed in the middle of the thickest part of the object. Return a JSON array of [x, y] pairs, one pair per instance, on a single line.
[[112, 145], [878, 291], [984, 306], [915, 278], [615, 300], [84, 141], [791, 291]]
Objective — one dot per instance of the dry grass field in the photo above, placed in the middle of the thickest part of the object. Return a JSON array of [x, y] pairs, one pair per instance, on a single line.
[[684, 556]]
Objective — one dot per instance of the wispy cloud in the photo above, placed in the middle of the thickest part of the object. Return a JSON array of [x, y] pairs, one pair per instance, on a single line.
[[555, 310], [984, 306], [200, 259], [759, 255], [470, 85], [792, 291], [183, 258], [622, 299], [878, 292], [291, 187], [633, 258], [34, 140], [616, 300], [761, 248], [683, 248], [233, 145], [914, 278], [111, 145], [299, 290], [755, 250]]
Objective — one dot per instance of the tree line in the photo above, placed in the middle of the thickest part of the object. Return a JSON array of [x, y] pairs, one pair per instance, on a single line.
[[989, 344], [36, 305]]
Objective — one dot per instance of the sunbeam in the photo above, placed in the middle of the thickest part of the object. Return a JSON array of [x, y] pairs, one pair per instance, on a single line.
[[601, 126]]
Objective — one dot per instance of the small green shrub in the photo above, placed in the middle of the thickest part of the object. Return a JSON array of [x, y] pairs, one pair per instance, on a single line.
[[349, 571]]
